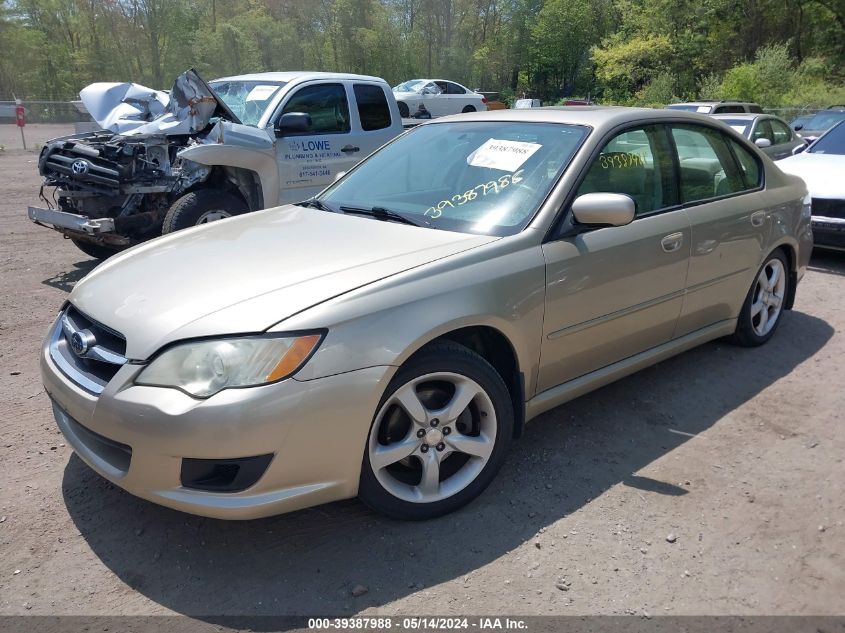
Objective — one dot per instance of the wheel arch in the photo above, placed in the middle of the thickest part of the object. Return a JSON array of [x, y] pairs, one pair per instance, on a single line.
[[254, 174], [491, 344], [789, 251]]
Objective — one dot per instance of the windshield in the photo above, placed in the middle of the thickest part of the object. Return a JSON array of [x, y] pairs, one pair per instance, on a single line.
[[247, 99], [824, 120], [833, 142], [739, 125], [471, 177], [414, 85]]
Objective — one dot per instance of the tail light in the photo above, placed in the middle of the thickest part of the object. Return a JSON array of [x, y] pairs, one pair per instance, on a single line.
[[484, 100]]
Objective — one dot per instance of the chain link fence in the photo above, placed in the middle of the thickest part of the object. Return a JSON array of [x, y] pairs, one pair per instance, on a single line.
[[45, 111]]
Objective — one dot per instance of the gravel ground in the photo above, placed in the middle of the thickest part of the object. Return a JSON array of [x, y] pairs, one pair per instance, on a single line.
[[713, 483]]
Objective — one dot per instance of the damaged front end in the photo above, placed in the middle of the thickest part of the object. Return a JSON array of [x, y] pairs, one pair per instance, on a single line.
[[113, 188]]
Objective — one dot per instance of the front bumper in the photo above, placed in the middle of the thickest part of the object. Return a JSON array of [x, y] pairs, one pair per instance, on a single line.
[[828, 232], [137, 437], [71, 221]]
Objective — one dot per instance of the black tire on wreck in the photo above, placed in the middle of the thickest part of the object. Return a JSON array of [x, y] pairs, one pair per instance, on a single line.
[[200, 207], [94, 250]]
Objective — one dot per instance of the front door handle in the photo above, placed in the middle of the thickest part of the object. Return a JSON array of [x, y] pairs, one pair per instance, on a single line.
[[672, 242], [350, 149], [757, 218]]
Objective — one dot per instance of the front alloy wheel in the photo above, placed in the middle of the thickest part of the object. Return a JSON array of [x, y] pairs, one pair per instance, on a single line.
[[439, 436]]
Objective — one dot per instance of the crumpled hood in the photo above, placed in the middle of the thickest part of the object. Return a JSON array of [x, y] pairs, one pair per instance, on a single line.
[[821, 172], [131, 109], [247, 273]]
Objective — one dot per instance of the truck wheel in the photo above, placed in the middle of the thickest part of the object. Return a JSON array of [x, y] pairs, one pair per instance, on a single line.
[[201, 207], [93, 250], [403, 110]]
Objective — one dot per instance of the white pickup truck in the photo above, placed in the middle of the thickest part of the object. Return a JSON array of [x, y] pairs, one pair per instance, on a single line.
[[205, 151]]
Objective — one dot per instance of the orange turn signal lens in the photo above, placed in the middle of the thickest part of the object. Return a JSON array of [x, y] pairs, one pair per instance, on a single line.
[[294, 357]]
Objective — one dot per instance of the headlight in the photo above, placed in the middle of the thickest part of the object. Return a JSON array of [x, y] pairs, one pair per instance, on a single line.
[[202, 368]]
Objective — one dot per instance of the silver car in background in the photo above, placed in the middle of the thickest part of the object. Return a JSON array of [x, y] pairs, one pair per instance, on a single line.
[[770, 133], [390, 337]]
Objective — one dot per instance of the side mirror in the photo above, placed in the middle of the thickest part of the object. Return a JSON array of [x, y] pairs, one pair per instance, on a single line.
[[799, 126], [763, 143], [293, 123], [604, 209]]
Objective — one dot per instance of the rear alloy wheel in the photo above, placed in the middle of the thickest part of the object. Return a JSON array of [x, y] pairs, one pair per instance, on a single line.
[[440, 435], [201, 207], [764, 304]]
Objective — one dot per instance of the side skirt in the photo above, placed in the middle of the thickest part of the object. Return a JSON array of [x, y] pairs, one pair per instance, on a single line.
[[551, 398]]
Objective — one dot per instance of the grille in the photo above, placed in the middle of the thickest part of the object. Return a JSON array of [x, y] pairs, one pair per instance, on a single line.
[[829, 208], [96, 360], [57, 159]]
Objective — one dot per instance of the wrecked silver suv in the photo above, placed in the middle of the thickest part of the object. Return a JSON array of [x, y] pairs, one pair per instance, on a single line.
[[167, 161]]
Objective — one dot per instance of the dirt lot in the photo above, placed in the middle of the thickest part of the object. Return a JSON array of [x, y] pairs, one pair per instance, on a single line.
[[738, 453]]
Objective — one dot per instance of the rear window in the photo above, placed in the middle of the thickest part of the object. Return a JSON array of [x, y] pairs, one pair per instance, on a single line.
[[372, 107]]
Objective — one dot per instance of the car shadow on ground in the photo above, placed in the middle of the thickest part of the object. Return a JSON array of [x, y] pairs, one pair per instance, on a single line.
[[827, 261], [307, 562], [66, 280]]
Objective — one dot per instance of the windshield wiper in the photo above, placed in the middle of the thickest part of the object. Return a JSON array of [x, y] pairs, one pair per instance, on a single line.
[[382, 214], [313, 203]]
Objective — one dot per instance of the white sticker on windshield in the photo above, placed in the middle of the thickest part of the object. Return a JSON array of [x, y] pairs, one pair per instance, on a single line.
[[738, 128], [704, 109], [261, 93], [504, 155]]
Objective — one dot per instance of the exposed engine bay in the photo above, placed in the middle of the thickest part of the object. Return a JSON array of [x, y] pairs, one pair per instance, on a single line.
[[119, 183], [131, 179]]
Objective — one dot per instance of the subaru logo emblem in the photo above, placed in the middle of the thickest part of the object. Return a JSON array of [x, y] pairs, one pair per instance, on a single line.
[[80, 167], [82, 341]]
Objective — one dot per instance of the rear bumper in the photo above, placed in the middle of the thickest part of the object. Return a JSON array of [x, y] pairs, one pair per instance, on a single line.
[[71, 221]]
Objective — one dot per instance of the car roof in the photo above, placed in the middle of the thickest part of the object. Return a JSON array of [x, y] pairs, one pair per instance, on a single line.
[[297, 75], [710, 103], [742, 116], [604, 117]]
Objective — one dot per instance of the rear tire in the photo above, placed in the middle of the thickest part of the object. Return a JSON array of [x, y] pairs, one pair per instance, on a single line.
[[200, 207], [764, 304], [468, 109], [439, 436], [404, 112], [93, 250]]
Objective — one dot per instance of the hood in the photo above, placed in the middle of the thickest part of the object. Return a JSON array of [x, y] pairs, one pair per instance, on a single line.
[[247, 273], [131, 109], [821, 172]]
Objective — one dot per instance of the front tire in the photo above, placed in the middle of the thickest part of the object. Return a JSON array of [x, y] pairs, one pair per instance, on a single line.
[[200, 207], [93, 250], [764, 304], [404, 112], [440, 434]]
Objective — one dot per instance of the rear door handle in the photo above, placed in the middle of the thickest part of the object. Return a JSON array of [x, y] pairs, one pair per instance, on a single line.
[[350, 149], [672, 242], [757, 218]]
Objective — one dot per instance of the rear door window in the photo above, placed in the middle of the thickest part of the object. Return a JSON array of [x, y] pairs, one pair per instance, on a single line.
[[372, 107], [707, 167]]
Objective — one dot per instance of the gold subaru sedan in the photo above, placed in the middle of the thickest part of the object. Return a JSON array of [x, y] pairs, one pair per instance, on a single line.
[[390, 337]]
